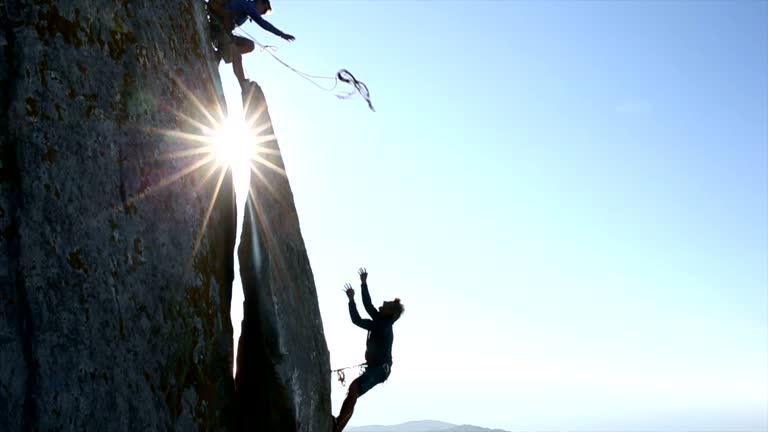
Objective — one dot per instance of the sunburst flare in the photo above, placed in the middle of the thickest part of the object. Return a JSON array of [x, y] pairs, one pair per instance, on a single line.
[[215, 145]]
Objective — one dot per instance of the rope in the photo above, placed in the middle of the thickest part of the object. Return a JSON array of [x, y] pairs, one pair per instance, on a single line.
[[347, 77], [343, 75], [340, 373]]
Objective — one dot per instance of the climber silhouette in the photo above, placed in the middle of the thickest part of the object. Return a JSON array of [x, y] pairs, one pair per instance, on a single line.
[[225, 15], [378, 351]]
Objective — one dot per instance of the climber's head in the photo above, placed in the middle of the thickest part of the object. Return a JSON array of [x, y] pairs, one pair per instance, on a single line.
[[263, 6], [392, 309]]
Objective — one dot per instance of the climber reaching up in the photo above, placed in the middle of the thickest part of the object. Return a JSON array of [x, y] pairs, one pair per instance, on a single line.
[[378, 352], [225, 15]]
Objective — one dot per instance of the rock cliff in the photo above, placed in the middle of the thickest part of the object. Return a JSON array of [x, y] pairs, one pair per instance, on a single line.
[[117, 241], [283, 371]]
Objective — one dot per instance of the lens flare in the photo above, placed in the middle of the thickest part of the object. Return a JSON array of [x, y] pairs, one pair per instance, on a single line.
[[215, 144], [231, 143]]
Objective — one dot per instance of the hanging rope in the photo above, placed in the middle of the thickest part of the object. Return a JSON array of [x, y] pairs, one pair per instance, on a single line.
[[347, 77], [340, 373], [343, 75]]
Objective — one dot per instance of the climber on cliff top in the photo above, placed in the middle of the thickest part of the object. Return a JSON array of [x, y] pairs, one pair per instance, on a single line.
[[225, 15], [378, 352]]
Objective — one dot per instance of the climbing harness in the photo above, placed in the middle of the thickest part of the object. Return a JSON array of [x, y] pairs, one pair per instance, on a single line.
[[340, 373], [342, 75]]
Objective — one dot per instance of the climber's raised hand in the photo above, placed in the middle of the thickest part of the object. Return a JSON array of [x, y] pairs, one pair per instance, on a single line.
[[363, 274], [349, 291]]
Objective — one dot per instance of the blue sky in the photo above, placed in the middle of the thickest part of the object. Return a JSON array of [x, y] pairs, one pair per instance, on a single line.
[[571, 199]]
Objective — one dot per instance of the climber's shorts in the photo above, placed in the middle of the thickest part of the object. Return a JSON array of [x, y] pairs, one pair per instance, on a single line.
[[224, 39], [372, 376]]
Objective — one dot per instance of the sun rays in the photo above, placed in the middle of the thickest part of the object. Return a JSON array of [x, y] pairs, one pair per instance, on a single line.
[[209, 145]]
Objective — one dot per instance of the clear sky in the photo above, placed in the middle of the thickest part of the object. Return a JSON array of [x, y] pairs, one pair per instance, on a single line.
[[571, 199]]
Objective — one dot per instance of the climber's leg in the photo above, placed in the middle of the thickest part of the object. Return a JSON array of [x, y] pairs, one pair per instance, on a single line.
[[238, 47], [369, 379], [348, 407], [237, 66], [244, 45]]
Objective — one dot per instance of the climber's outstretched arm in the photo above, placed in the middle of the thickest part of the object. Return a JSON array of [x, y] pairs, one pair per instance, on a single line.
[[253, 13], [366, 295], [353, 313], [272, 29]]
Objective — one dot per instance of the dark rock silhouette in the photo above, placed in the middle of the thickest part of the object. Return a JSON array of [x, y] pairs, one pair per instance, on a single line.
[[111, 318], [283, 373], [114, 292]]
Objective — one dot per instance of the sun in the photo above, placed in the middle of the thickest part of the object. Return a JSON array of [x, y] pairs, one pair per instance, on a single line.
[[231, 142]]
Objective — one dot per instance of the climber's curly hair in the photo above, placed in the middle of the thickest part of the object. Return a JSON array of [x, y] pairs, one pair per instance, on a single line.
[[398, 308], [267, 3]]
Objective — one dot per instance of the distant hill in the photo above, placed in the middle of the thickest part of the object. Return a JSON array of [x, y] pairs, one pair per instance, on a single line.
[[470, 428], [412, 426], [422, 426]]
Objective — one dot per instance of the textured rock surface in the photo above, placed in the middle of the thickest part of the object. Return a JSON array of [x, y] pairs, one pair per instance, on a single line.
[[110, 319], [283, 373]]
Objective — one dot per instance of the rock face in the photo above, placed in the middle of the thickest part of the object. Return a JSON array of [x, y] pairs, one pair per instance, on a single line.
[[114, 292], [283, 367], [117, 234]]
